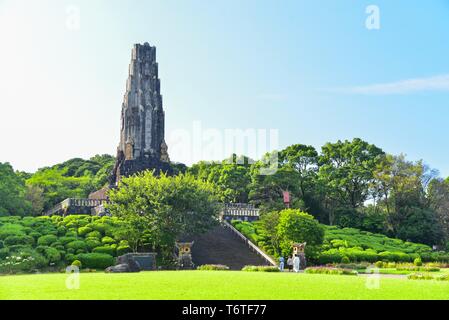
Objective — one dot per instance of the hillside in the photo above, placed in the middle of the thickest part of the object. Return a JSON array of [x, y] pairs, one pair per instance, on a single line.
[[355, 244]]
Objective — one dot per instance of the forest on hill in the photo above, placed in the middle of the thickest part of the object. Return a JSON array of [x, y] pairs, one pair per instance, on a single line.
[[347, 183]]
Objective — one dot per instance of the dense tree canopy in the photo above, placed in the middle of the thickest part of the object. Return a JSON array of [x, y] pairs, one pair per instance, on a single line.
[[75, 178], [166, 207], [12, 193], [346, 183]]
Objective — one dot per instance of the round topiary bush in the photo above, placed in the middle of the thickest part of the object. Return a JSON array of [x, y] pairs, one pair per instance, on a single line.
[[83, 231], [77, 263], [96, 260], [417, 262], [345, 259], [77, 245], [107, 240], [52, 255], [47, 240], [379, 264], [94, 234], [69, 257], [105, 249], [65, 240], [19, 240], [92, 243], [299, 227]]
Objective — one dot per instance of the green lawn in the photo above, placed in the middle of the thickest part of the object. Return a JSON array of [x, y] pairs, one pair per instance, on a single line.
[[216, 285]]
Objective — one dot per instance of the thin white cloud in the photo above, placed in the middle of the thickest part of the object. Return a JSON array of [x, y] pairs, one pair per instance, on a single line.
[[436, 83]]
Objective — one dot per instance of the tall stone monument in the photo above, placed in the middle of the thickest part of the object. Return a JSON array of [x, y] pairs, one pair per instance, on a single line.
[[142, 142]]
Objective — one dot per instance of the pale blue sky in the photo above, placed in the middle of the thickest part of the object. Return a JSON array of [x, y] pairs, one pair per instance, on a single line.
[[308, 68]]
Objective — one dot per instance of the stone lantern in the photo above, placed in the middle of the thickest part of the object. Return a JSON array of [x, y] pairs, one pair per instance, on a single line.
[[298, 251], [185, 255]]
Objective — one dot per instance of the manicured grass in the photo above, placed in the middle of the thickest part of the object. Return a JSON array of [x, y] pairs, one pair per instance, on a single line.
[[192, 285]]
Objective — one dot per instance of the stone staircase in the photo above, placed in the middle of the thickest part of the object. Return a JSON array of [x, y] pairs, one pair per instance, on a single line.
[[221, 245]]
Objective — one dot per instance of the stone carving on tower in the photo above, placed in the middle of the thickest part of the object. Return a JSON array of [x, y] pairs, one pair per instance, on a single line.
[[142, 132]]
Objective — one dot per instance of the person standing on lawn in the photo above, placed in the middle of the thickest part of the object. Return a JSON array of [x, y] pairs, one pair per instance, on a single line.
[[290, 264], [281, 264], [296, 264]]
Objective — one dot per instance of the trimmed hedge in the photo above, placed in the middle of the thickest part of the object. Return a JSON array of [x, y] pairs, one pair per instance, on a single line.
[[56, 241], [334, 271], [261, 269], [47, 240], [213, 267], [96, 260], [105, 249]]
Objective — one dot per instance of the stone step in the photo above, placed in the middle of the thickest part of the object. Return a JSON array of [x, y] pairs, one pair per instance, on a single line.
[[221, 246]]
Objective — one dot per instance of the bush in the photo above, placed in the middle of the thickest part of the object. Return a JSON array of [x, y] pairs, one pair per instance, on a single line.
[[107, 240], [329, 256], [47, 240], [213, 267], [82, 231], [69, 257], [77, 263], [353, 266], [380, 264], [77, 245], [442, 277], [4, 253], [65, 240], [417, 262], [297, 226], [415, 268], [420, 276], [261, 269], [345, 259], [92, 243], [333, 271], [94, 234], [19, 240], [52, 255], [96, 260], [98, 226], [395, 256], [26, 261], [105, 249]]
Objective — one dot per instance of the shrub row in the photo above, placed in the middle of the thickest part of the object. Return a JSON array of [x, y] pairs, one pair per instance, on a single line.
[[57, 242], [261, 269], [213, 267], [334, 271]]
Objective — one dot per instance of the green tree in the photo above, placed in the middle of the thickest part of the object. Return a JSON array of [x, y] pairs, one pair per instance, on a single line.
[[58, 186], [12, 193], [75, 178], [266, 191], [304, 160], [347, 168], [168, 207], [420, 226], [438, 195], [35, 195], [268, 224], [297, 227], [231, 176]]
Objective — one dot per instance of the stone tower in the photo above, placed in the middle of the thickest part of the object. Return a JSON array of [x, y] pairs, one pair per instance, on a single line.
[[142, 142]]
